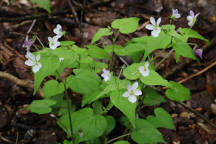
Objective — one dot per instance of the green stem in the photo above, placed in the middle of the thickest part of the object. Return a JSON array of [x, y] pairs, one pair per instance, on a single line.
[[39, 41], [68, 108], [170, 52], [118, 138]]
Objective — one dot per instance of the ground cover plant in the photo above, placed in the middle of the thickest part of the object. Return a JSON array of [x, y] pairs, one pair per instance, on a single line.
[[95, 80]]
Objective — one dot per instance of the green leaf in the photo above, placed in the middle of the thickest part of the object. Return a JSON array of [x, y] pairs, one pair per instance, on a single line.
[[134, 50], [126, 25], [97, 107], [152, 97], [70, 58], [41, 106], [67, 142], [124, 105], [52, 88], [130, 49], [170, 30], [121, 142], [112, 85], [132, 71], [189, 33], [85, 124], [154, 79], [124, 121], [178, 92], [110, 124], [100, 33], [161, 119], [67, 43], [50, 64], [151, 43], [182, 49], [146, 133], [111, 48], [97, 52], [45, 4], [83, 82]]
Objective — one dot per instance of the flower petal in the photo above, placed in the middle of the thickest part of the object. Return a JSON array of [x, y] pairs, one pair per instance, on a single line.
[[137, 92], [36, 68], [152, 20], [149, 27], [145, 73], [126, 94], [38, 57], [158, 21], [135, 85], [155, 33], [29, 55], [49, 39], [190, 18], [29, 62], [191, 13], [146, 64], [132, 99]]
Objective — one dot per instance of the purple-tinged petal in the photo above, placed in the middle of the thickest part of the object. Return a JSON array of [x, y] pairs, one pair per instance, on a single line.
[[199, 53]]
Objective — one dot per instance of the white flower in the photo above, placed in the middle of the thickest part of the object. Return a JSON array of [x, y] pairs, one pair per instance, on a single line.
[[61, 59], [33, 61], [106, 75], [58, 31], [132, 92], [154, 26], [192, 18], [175, 13], [53, 42], [144, 70]]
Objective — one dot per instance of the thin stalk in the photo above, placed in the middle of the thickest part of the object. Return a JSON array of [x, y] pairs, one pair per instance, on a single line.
[[170, 52], [118, 138], [68, 108], [39, 41]]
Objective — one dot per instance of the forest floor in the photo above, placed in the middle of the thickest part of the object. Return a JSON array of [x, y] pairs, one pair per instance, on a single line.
[[195, 120]]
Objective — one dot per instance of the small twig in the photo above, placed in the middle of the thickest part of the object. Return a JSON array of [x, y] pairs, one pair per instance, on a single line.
[[32, 25], [78, 22], [123, 60], [198, 114], [31, 17], [24, 83], [198, 73], [5, 139], [118, 138]]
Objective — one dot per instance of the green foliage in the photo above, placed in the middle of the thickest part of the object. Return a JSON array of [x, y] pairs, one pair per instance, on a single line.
[[146, 133], [97, 52], [126, 25], [161, 119], [83, 81], [178, 92], [77, 72], [111, 124], [85, 124], [154, 79], [124, 105], [189, 33], [151, 44], [183, 49], [121, 142], [50, 64], [52, 88], [41, 106], [45, 4], [100, 33], [152, 97]]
